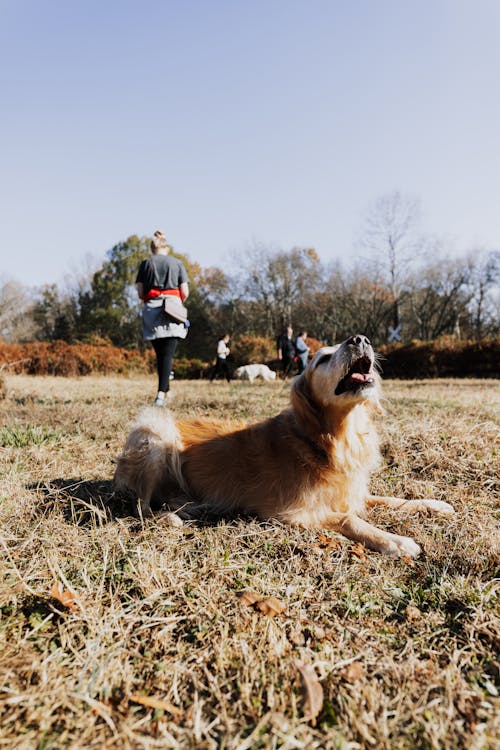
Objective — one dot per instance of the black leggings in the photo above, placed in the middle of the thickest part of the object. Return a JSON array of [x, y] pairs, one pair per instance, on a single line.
[[221, 368], [164, 350]]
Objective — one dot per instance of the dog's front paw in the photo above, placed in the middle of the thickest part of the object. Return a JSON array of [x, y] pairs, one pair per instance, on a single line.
[[401, 546], [439, 506]]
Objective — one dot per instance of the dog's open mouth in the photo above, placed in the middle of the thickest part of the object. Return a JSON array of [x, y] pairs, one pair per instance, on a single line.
[[358, 377]]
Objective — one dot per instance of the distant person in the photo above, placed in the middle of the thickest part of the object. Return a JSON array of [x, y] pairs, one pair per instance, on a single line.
[[302, 351], [160, 276], [286, 350], [221, 366]]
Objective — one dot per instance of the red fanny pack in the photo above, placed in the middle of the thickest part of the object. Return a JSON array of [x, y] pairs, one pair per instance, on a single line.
[[155, 293]]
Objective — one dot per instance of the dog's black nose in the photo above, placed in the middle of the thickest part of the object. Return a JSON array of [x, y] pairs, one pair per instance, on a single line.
[[359, 340]]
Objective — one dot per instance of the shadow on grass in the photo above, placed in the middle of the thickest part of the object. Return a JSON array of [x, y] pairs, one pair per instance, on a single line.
[[84, 501], [96, 502]]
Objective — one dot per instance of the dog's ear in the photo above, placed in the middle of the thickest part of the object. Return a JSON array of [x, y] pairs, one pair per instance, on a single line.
[[306, 409]]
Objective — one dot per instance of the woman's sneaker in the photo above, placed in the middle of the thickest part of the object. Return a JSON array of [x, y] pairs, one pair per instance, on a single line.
[[161, 401]]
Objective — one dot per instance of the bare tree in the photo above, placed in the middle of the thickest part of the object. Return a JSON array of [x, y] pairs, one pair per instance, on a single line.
[[277, 282], [16, 319], [484, 285], [438, 301], [390, 240]]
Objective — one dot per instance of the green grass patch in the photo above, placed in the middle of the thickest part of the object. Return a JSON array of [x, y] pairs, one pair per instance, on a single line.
[[23, 436]]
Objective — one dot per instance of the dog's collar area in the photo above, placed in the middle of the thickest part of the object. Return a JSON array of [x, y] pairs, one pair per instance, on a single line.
[[318, 451]]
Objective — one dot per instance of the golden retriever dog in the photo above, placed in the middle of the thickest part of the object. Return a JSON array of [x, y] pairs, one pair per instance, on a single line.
[[308, 466]]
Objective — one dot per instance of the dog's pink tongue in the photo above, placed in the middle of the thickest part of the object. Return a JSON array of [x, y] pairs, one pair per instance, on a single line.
[[361, 377]]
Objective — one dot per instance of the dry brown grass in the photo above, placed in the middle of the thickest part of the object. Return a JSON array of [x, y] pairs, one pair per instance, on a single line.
[[157, 610]]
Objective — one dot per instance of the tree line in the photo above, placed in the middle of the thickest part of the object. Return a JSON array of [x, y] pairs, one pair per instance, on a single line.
[[400, 284]]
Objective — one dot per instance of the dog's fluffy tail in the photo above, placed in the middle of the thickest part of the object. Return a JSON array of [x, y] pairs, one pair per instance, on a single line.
[[151, 454], [160, 423]]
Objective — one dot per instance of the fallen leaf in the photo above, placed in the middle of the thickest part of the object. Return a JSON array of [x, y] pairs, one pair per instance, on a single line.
[[249, 598], [63, 596], [270, 606], [326, 542], [412, 613], [358, 550], [150, 702], [312, 691], [353, 672]]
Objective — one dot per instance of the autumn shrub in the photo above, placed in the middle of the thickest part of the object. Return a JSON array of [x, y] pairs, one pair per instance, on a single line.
[[190, 369], [13, 358], [313, 345], [446, 357], [60, 358], [95, 340], [253, 349]]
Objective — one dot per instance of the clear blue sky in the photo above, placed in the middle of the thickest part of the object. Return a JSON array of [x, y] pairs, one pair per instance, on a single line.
[[226, 122]]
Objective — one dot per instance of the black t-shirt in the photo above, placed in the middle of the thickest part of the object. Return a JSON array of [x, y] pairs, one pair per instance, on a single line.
[[161, 272]]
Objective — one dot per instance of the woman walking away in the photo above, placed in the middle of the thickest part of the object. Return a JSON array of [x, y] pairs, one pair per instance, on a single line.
[[162, 276], [221, 367]]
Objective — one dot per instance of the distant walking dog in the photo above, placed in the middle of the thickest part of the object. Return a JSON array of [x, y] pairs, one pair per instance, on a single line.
[[251, 372], [308, 466]]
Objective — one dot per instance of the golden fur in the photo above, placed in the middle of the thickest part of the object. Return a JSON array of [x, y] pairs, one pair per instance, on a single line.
[[309, 466]]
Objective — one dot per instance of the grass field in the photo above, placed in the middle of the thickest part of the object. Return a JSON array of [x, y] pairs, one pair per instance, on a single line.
[[151, 645]]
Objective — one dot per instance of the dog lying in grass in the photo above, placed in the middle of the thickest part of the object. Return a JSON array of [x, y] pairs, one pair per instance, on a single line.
[[251, 372], [308, 466]]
